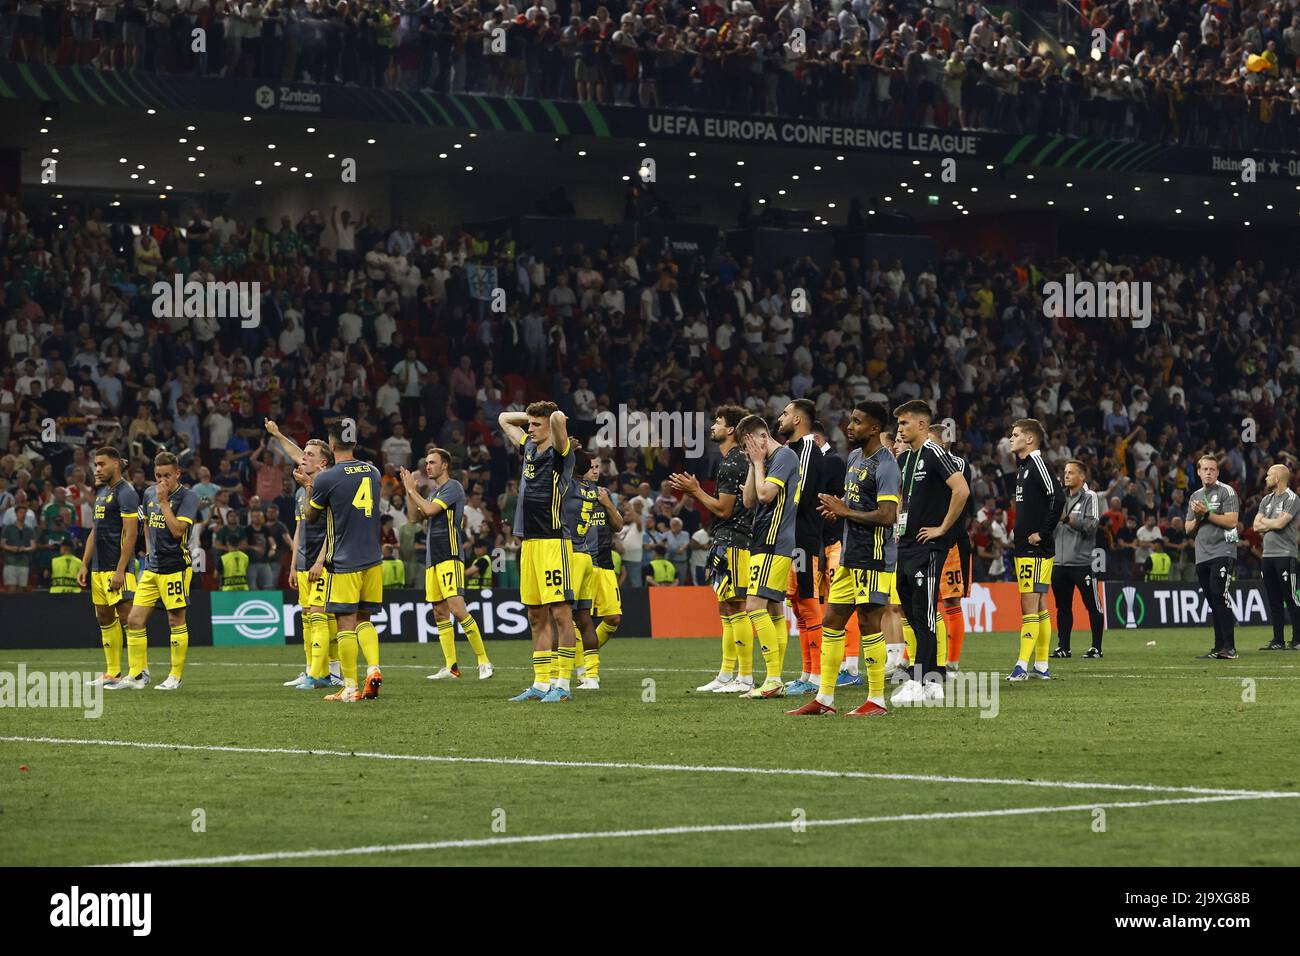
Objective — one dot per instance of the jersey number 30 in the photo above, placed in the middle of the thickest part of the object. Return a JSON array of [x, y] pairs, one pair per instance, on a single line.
[[362, 499]]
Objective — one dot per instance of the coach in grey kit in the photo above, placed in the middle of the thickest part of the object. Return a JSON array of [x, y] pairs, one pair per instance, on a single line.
[[1076, 535], [1277, 519], [1216, 551]]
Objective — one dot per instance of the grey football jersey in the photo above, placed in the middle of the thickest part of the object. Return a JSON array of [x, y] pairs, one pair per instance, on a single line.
[[1212, 541], [1281, 544]]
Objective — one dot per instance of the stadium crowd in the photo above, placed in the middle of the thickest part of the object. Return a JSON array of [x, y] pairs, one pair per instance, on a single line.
[[1185, 71], [395, 339]]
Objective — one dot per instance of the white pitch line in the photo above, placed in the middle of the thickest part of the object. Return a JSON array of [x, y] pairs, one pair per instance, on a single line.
[[673, 831], [656, 767]]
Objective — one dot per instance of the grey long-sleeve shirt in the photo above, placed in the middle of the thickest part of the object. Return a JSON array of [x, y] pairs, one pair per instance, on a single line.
[[1076, 539]]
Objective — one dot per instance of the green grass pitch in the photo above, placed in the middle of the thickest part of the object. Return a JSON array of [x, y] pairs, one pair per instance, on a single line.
[[1133, 747]]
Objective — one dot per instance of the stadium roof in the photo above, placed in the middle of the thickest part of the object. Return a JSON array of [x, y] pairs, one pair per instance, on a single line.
[[199, 136]]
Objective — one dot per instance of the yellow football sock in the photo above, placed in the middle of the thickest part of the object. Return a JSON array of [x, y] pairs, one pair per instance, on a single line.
[[743, 632], [447, 639], [565, 656], [832, 657], [332, 623], [728, 644], [577, 645], [1044, 635], [110, 636], [180, 648], [592, 665], [1028, 637], [368, 638], [316, 633], [469, 627], [768, 641], [941, 642], [782, 629], [875, 653], [554, 674], [349, 650], [909, 638], [307, 620], [603, 633], [542, 669], [137, 651]]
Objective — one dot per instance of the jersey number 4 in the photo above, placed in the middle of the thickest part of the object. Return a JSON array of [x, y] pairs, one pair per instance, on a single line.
[[362, 500]]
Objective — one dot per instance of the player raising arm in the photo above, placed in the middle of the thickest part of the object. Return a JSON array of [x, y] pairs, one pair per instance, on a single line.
[[444, 561], [346, 497], [542, 436]]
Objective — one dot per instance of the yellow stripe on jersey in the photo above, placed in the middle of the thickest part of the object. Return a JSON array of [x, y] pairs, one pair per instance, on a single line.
[[775, 481], [893, 498], [776, 514], [555, 499], [329, 535], [451, 533]]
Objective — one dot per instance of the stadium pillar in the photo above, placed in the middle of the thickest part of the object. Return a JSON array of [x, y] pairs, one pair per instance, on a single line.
[[11, 172]]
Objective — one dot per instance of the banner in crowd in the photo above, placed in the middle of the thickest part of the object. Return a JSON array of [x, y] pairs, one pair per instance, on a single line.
[[482, 280], [693, 611], [188, 94], [1148, 604]]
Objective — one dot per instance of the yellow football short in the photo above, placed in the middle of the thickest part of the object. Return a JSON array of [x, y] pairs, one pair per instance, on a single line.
[[173, 590], [608, 600], [312, 594], [100, 594], [582, 573], [735, 583], [446, 579], [544, 571], [769, 574], [1034, 575], [347, 592], [857, 586]]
